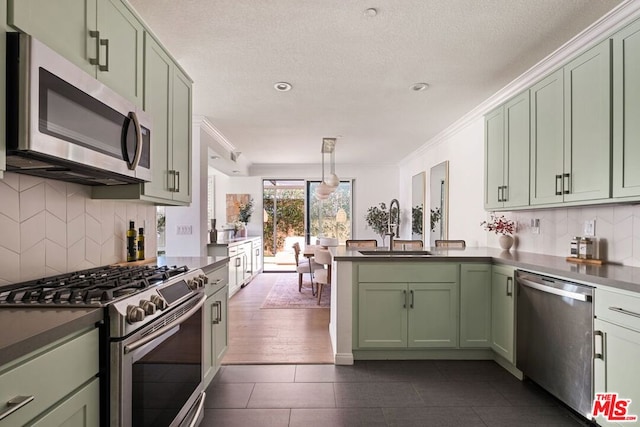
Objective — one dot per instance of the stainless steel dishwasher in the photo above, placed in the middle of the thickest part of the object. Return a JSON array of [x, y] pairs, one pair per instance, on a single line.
[[554, 337]]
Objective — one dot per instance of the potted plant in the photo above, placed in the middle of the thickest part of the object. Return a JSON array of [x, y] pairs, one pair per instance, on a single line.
[[503, 226], [245, 210], [378, 219]]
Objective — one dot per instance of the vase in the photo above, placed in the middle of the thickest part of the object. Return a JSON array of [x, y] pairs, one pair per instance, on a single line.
[[506, 242]]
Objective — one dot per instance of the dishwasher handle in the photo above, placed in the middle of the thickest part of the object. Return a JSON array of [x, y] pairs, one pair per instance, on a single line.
[[555, 291]]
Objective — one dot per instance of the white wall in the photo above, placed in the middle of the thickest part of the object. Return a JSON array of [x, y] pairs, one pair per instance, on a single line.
[[372, 184]]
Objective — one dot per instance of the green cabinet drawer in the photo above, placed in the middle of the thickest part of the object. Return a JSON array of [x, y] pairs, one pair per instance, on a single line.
[[404, 272], [49, 376], [618, 308], [82, 409]]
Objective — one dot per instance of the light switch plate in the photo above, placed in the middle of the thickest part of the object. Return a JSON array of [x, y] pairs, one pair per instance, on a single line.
[[590, 228], [535, 225]]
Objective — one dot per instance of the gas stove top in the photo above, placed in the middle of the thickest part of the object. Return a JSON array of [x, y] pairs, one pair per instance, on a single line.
[[95, 287]]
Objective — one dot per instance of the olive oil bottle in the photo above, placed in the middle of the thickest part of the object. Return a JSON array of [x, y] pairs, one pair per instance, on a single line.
[[140, 244], [131, 242]]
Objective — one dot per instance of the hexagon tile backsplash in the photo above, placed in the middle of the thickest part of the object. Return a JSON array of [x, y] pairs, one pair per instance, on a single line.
[[49, 227]]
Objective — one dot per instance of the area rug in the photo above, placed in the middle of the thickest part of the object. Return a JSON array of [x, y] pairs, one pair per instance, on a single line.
[[284, 294]]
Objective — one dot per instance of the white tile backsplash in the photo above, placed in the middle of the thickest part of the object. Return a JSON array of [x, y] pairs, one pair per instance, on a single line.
[[50, 227], [617, 231]]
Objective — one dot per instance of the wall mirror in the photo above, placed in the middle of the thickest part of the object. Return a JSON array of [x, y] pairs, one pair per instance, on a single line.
[[417, 205], [439, 202]]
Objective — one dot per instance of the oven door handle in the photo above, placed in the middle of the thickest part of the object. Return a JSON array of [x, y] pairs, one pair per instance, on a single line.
[[137, 344]]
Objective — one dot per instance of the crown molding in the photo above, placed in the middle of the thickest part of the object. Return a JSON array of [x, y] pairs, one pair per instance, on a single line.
[[620, 16], [203, 123]]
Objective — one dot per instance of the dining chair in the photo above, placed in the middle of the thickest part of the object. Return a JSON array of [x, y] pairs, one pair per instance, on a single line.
[[459, 244], [353, 243], [304, 266], [407, 244], [322, 275]]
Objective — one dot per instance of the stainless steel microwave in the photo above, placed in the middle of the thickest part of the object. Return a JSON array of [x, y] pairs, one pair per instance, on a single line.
[[64, 124]]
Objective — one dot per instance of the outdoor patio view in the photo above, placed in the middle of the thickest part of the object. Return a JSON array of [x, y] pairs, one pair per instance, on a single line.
[[286, 211]]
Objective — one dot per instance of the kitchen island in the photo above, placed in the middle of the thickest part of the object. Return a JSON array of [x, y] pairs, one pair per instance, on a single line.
[[439, 279]]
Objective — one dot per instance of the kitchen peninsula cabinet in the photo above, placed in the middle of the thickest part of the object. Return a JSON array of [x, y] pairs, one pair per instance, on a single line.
[[507, 154], [503, 312], [408, 306], [245, 260], [626, 110], [475, 305], [103, 37], [617, 347], [70, 395]]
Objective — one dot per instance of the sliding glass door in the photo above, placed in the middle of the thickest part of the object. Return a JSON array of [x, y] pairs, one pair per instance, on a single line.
[[292, 213], [330, 217]]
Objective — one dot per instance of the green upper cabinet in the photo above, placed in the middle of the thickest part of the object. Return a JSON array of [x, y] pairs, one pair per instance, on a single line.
[[626, 110], [102, 37], [507, 154], [587, 141], [167, 98], [547, 139], [571, 131]]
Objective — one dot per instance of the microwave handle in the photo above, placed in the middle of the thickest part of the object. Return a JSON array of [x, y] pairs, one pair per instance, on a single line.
[[140, 141]]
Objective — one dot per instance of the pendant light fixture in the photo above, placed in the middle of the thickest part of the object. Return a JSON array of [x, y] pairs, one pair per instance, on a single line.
[[323, 190], [332, 180], [330, 183]]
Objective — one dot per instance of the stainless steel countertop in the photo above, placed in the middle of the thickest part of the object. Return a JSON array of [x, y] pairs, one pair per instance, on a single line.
[[612, 275]]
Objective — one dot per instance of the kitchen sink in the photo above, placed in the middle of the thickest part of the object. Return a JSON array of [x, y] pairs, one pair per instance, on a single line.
[[395, 253]]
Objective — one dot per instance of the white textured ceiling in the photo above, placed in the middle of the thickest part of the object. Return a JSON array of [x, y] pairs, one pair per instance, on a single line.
[[351, 73]]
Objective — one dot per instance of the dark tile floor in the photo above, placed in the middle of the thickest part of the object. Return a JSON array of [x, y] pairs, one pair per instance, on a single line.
[[385, 393]]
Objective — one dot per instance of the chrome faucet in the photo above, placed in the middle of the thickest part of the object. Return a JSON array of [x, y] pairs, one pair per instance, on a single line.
[[393, 228]]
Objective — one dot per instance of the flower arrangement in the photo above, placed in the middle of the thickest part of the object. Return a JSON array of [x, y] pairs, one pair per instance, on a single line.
[[378, 219], [244, 211], [499, 225]]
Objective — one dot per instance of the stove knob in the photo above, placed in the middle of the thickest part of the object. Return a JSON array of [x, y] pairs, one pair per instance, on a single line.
[[191, 283], [160, 303], [204, 278], [134, 314], [147, 306]]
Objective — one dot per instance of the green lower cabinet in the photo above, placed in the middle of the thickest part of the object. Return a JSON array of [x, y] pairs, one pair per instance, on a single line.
[[215, 338], [503, 312], [475, 305], [413, 315], [82, 409], [616, 368]]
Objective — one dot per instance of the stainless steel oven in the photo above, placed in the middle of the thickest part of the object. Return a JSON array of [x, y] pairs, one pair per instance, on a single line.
[[151, 347], [64, 124], [157, 369]]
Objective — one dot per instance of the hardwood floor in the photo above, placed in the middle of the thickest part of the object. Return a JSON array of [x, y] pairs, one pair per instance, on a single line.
[[270, 336]]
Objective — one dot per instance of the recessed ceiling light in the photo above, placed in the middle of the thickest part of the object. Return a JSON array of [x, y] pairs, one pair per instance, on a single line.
[[282, 86], [371, 12], [417, 87]]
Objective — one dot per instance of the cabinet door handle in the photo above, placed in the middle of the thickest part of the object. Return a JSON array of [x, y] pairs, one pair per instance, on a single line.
[[14, 404], [509, 286], [218, 317], [559, 179], [499, 193], [597, 355], [105, 67], [412, 298], [404, 294], [505, 193], [238, 261], [96, 35], [623, 311], [177, 174], [566, 189]]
